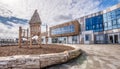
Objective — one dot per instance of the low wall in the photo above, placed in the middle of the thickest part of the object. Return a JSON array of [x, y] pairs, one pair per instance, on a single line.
[[37, 61]]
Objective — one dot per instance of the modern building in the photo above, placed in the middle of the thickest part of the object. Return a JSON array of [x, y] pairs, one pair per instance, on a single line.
[[66, 33], [98, 28], [101, 27]]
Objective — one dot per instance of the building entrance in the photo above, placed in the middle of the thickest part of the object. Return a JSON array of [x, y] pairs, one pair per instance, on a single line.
[[113, 38]]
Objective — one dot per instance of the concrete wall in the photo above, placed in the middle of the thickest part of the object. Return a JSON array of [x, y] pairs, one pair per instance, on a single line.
[[69, 40]]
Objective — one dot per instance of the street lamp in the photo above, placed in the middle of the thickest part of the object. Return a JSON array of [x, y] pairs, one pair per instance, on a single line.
[[46, 38]]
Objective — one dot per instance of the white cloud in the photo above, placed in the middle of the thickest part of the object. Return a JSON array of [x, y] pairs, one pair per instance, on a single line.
[[51, 10], [7, 31]]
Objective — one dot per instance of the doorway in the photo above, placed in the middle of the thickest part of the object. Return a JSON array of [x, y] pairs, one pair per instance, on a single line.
[[116, 38], [113, 38]]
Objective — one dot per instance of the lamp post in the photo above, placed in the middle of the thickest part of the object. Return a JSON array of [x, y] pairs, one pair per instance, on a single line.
[[46, 36]]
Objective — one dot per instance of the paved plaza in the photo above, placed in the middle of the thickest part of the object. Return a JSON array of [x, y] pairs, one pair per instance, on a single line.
[[94, 57]]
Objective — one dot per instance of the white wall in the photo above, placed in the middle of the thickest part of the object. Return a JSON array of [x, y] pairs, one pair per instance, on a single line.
[[78, 39], [91, 36], [70, 40], [49, 40]]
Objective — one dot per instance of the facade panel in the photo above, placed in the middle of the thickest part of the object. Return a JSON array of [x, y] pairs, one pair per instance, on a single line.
[[111, 19], [94, 23], [66, 29]]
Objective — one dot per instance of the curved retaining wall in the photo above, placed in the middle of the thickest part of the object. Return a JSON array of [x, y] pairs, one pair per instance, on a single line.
[[37, 61]]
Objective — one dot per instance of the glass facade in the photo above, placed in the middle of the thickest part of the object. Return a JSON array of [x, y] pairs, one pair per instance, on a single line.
[[95, 23], [112, 19], [99, 39], [59, 40], [107, 21], [54, 40], [63, 30], [74, 39]]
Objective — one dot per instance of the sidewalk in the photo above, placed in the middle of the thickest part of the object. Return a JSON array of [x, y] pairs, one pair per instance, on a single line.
[[94, 57]]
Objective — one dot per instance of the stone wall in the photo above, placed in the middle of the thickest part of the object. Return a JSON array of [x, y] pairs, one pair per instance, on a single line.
[[37, 61]]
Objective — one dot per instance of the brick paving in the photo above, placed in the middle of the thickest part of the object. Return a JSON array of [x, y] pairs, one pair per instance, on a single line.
[[94, 57]]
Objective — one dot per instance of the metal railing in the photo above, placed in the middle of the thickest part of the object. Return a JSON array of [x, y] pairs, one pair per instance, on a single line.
[[8, 42]]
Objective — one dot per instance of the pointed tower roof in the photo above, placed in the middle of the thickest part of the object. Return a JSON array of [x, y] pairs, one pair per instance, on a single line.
[[35, 18]]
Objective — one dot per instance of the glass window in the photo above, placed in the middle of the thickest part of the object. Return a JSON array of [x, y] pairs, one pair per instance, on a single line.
[[105, 19], [69, 29], [109, 23], [114, 26], [97, 26], [100, 19], [118, 21], [74, 38], [97, 38], [101, 26], [90, 27], [100, 37], [106, 28], [86, 27], [87, 37], [89, 21], [105, 24], [109, 28], [72, 28], [93, 26], [114, 22], [105, 15], [118, 11], [113, 15], [94, 22], [63, 30], [109, 16]]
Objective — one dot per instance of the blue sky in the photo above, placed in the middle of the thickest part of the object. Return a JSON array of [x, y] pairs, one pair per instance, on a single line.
[[107, 3], [51, 12]]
